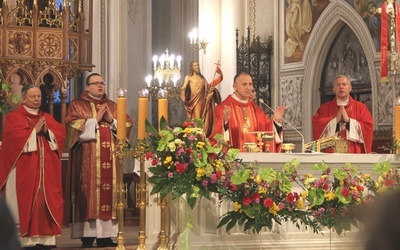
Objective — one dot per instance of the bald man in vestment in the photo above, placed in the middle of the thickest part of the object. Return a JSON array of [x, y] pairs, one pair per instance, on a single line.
[[346, 118], [238, 118]]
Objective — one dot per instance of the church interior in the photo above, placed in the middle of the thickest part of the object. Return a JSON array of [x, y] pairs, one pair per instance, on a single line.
[[293, 59]]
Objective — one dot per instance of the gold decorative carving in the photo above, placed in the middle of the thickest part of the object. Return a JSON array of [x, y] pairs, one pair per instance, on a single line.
[[19, 43], [20, 15], [49, 45], [50, 17]]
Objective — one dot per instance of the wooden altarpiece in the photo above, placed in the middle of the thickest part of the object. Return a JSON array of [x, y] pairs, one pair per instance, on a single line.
[[45, 45]]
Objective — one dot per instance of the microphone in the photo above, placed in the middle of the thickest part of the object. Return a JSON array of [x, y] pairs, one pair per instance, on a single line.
[[295, 129]]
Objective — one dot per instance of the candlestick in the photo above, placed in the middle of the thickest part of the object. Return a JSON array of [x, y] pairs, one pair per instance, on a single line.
[[121, 115], [397, 123], [162, 105], [142, 113]]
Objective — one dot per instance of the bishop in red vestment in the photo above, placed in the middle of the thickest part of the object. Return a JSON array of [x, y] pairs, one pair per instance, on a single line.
[[238, 117], [91, 121], [346, 118], [30, 172]]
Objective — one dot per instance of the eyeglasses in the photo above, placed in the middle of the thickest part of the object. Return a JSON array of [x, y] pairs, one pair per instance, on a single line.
[[97, 83]]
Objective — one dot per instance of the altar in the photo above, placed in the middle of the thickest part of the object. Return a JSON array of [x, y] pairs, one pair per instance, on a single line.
[[201, 222]]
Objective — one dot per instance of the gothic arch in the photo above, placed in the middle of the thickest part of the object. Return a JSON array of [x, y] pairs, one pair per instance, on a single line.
[[335, 16]]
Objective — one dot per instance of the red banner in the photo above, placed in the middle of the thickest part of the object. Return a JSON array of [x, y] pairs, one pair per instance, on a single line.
[[384, 43]]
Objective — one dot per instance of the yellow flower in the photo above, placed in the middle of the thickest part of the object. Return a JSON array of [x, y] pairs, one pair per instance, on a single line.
[[274, 209], [329, 196], [304, 194], [358, 201], [341, 182], [200, 173], [262, 190], [324, 177], [307, 176], [367, 176], [236, 206], [258, 179], [200, 144], [300, 204], [168, 160], [171, 146]]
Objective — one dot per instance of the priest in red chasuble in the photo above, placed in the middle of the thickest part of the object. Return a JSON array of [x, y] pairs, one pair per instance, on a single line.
[[91, 121], [346, 118], [238, 117], [30, 172]]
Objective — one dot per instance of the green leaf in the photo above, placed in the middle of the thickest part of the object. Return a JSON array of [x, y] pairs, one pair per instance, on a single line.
[[249, 211], [340, 174], [191, 201], [316, 197], [150, 128], [240, 177], [267, 174], [382, 167], [320, 166], [15, 99], [163, 123]]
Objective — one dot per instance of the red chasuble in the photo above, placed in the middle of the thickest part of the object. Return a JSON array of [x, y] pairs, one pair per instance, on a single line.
[[244, 119], [357, 111], [38, 173], [93, 163]]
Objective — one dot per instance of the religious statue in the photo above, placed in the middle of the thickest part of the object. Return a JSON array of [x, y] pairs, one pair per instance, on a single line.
[[200, 97]]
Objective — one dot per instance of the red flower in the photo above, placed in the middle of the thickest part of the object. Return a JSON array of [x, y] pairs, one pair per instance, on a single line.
[[255, 197], [246, 200], [345, 192], [212, 156], [325, 186], [186, 124], [268, 202], [148, 155], [188, 151], [181, 167], [154, 162], [389, 182], [290, 198], [232, 187], [219, 174]]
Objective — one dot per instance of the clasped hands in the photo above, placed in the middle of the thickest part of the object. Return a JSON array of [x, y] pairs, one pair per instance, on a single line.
[[104, 112], [41, 126], [342, 115]]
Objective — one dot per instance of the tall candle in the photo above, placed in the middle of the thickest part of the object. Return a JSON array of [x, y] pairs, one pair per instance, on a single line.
[[162, 109], [121, 118], [142, 116], [397, 122]]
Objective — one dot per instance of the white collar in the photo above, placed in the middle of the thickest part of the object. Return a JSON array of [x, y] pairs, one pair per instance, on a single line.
[[234, 96], [342, 103], [31, 111]]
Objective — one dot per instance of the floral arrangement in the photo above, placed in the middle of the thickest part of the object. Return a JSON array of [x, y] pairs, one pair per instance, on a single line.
[[337, 196], [388, 179], [5, 94], [184, 162], [262, 196]]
